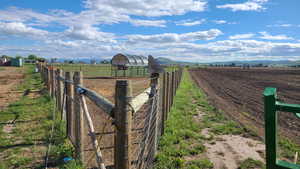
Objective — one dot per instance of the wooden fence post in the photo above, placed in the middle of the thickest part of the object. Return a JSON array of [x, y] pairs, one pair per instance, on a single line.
[[79, 130], [52, 82], [60, 92], [168, 94], [43, 73], [69, 103], [154, 93], [48, 80], [163, 100], [173, 87], [176, 79], [123, 122]]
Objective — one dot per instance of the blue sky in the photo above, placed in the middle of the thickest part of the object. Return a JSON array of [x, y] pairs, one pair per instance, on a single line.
[[190, 30]]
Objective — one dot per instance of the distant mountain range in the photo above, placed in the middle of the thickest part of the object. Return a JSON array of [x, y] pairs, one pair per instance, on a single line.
[[264, 62], [166, 61], [162, 60]]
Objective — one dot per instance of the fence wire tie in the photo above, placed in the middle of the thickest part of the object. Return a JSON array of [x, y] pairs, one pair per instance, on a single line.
[[131, 107], [80, 90]]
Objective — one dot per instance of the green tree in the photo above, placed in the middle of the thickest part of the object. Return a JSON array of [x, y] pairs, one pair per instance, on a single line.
[[32, 57], [5, 56]]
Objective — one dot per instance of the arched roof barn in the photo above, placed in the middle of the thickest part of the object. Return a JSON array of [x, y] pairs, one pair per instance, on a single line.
[[129, 60]]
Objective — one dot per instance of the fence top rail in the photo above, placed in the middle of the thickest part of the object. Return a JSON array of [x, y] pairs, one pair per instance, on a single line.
[[140, 100], [64, 80], [99, 100]]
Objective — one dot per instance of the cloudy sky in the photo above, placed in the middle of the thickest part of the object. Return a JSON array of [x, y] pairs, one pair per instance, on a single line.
[[187, 30]]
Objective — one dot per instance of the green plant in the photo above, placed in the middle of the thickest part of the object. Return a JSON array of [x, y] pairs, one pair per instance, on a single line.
[[250, 163], [182, 133], [288, 148], [199, 164]]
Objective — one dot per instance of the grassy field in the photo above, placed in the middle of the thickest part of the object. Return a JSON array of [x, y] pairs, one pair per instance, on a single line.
[[105, 70], [25, 126]]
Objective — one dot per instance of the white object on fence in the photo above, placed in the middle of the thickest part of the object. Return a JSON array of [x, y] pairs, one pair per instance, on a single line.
[[140, 100]]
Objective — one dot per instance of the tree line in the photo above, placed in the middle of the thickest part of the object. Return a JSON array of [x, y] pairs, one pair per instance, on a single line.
[[29, 57]]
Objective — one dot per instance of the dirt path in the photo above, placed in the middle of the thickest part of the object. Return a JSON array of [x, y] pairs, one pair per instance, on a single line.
[[229, 151], [10, 77]]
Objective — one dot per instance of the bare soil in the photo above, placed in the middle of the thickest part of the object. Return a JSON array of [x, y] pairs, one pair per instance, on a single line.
[[239, 93], [10, 77], [229, 151]]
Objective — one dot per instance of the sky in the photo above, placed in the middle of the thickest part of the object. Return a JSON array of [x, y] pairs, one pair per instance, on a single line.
[[185, 30]]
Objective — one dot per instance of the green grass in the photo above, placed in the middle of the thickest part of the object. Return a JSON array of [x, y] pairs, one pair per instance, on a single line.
[[250, 163], [182, 134], [26, 144], [103, 70], [196, 164], [106, 70], [288, 149], [32, 80]]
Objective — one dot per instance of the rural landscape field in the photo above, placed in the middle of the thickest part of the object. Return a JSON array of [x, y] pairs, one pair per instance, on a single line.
[[149, 84], [239, 93]]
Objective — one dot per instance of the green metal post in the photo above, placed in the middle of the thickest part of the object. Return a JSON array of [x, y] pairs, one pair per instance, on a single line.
[[270, 127], [271, 106]]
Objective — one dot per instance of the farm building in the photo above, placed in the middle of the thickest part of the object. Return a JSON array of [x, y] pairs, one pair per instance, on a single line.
[[136, 63], [4, 61], [17, 62], [29, 61], [123, 61]]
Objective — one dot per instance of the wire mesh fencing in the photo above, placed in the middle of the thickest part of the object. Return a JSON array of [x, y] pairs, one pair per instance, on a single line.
[[144, 133], [123, 135]]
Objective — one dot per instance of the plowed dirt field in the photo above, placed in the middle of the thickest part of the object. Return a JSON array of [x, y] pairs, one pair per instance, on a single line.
[[239, 94]]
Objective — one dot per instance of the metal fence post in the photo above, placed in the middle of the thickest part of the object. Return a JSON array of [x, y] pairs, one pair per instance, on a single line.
[[270, 127], [123, 122]]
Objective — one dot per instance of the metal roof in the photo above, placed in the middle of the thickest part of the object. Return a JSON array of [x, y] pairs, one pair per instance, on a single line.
[[131, 60]]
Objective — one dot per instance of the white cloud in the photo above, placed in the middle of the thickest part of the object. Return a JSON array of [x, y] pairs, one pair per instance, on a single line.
[[285, 25], [220, 21], [251, 5], [173, 37], [147, 8], [281, 25], [190, 22], [242, 36], [63, 43], [14, 14], [20, 29], [88, 32], [266, 35], [154, 23]]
